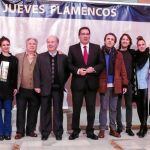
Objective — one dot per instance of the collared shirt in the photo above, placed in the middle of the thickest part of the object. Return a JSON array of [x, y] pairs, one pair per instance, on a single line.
[[53, 54], [82, 48], [142, 76], [31, 57]]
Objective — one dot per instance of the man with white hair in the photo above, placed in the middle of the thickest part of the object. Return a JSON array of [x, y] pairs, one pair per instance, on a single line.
[[27, 98], [50, 75]]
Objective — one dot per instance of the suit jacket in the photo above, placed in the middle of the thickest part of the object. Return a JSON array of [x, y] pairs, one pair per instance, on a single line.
[[76, 61], [20, 57], [120, 75], [42, 72]]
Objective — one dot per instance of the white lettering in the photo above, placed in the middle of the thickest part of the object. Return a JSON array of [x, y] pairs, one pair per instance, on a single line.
[[66, 11], [41, 9], [75, 10], [84, 11], [113, 12]]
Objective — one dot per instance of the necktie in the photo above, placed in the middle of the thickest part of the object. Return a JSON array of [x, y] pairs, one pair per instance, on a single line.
[[85, 55]]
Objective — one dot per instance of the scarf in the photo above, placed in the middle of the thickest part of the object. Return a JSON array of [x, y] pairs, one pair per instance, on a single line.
[[141, 58], [112, 56]]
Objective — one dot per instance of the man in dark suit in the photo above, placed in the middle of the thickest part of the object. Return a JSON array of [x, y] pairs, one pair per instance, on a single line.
[[85, 63], [50, 75]]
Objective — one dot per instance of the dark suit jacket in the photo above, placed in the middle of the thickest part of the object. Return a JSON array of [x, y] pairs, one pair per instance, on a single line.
[[42, 72], [76, 61]]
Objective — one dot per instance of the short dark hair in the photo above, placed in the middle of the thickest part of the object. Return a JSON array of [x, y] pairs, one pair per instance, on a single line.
[[2, 39], [128, 36], [82, 28], [140, 38], [110, 34]]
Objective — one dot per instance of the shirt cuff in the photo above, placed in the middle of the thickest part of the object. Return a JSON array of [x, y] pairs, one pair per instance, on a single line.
[[78, 72]]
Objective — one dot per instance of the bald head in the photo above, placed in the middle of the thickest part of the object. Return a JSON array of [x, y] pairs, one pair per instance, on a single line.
[[52, 43]]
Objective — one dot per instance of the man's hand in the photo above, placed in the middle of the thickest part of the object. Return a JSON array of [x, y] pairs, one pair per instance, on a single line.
[[60, 52], [82, 71], [37, 90], [124, 90], [90, 70], [15, 92]]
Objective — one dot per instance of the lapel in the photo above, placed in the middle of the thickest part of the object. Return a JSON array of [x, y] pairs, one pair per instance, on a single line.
[[79, 53], [103, 53], [47, 61], [90, 55], [21, 59], [59, 62]]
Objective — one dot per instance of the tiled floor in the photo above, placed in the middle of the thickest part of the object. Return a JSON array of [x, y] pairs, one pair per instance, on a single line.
[[82, 143]]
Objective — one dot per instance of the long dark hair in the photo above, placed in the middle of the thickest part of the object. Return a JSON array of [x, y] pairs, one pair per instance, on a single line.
[[128, 36]]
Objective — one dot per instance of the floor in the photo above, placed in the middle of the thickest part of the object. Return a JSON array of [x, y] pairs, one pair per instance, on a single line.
[[82, 143]]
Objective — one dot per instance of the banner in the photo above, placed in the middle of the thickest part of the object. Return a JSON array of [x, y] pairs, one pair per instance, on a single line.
[[20, 19]]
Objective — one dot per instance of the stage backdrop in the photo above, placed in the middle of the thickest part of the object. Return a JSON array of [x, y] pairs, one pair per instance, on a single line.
[[41, 18], [20, 19]]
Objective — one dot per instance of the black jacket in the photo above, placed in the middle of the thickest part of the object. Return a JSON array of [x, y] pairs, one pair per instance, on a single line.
[[42, 72], [76, 61], [6, 88]]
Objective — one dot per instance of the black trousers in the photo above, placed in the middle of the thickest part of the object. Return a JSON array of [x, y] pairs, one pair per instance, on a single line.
[[27, 100], [128, 104], [142, 106], [90, 99], [55, 100]]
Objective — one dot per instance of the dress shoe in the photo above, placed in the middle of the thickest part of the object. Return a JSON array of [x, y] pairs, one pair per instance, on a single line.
[[1, 137], [142, 132], [130, 132], [101, 134], [114, 133], [73, 136], [32, 134], [139, 132], [145, 129], [58, 137], [92, 136], [18, 136], [119, 130], [44, 137], [7, 137]]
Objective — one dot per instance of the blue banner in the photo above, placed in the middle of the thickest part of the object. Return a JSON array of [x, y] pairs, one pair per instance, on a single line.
[[74, 10]]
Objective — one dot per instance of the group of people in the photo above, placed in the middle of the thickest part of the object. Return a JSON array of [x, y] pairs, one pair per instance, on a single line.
[[38, 81]]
